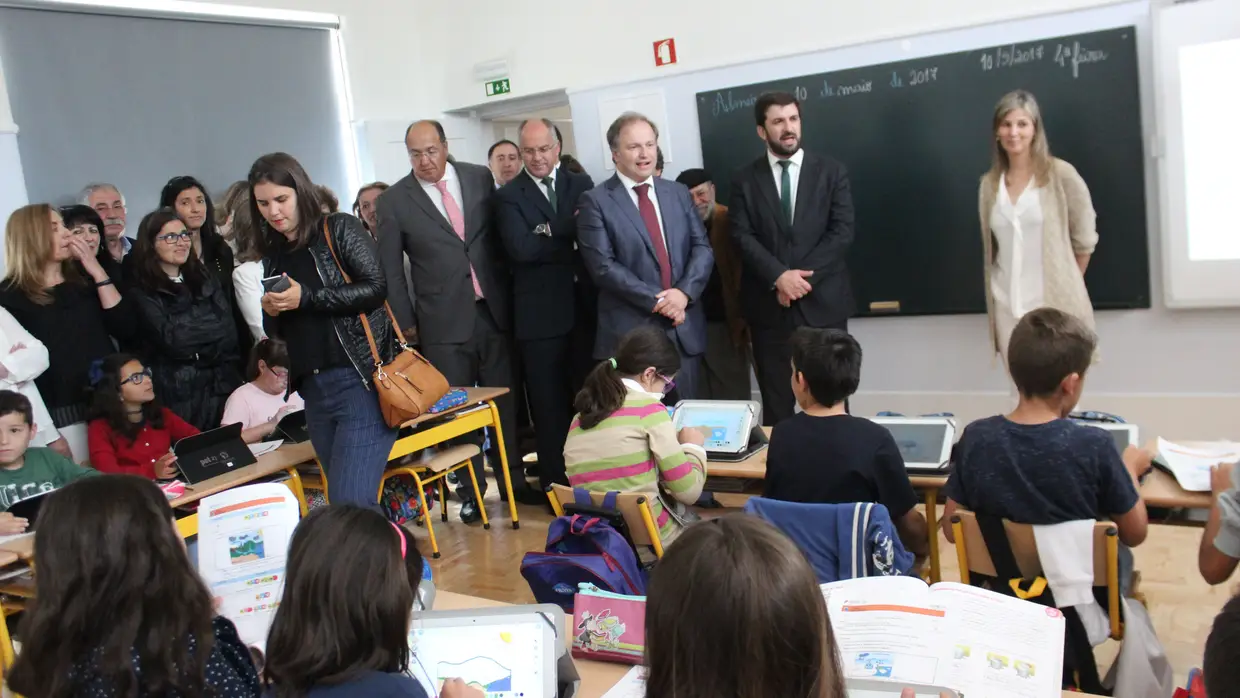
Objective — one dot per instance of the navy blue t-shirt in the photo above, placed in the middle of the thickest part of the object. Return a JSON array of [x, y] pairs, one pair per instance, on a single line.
[[1040, 474], [372, 684]]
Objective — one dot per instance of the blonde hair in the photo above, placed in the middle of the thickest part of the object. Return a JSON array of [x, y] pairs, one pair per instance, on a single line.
[[1039, 149], [28, 249]]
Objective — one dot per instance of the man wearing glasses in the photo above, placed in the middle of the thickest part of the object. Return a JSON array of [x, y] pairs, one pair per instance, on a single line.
[[537, 219], [440, 216], [109, 203]]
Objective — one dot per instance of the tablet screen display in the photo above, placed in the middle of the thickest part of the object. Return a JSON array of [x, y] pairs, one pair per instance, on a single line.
[[919, 443], [724, 425], [503, 657]]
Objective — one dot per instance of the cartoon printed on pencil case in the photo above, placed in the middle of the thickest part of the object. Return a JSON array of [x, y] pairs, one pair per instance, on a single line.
[[601, 632]]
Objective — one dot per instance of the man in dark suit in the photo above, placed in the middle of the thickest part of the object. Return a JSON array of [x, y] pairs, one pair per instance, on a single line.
[[791, 214], [440, 216], [646, 248], [537, 218]]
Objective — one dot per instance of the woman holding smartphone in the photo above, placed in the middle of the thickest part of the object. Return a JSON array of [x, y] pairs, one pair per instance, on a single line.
[[330, 362]]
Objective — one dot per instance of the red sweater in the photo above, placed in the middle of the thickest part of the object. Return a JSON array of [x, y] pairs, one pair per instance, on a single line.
[[114, 453]]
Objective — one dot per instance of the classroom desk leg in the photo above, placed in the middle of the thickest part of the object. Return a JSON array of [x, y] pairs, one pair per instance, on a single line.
[[932, 522], [503, 461], [294, 484]]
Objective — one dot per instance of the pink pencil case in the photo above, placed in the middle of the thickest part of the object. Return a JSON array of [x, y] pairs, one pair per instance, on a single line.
[[608, 627]]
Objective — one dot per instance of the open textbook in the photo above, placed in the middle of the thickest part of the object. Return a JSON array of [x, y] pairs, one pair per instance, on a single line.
[[243, 538], [1190, 464], [976, 642]]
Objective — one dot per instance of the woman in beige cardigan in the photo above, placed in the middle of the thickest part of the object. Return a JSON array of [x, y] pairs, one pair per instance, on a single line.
[[1037, 224]]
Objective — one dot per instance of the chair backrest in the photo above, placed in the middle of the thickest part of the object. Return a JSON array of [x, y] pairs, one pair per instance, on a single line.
[[1024, 548], [629, 503]]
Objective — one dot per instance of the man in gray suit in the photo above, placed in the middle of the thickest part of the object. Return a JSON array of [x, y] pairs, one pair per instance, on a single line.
[[646, 248], [440, 216]]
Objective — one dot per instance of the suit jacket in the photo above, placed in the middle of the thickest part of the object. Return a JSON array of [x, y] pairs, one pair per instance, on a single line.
[[817, 241], [439, 261], [621, 260], [543, 268]]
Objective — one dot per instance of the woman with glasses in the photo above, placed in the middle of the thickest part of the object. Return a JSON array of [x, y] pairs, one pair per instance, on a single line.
[[192, 204], [57, 290], [260, 404], [190, 337], [622, 438], [131, 432]]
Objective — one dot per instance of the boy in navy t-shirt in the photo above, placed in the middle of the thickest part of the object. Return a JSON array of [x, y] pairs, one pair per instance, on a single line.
[[1033, 466]]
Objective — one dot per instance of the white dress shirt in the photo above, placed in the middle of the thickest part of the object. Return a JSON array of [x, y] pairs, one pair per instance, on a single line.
[[654, 199], [1016, 278], [794, 173], [454, 188]]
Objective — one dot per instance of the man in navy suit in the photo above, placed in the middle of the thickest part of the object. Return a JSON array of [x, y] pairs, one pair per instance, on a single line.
[[537, 213], [647, 250]]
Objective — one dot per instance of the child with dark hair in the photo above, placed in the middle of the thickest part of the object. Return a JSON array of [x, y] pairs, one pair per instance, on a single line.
[[260, 404], [131, 432], [1035, 466], [1221, 666], [823, 455], [118, 610], [622, 438], [25, 471], [342, 628]]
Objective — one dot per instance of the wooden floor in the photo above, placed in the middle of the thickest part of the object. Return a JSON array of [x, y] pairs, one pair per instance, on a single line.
[[487, 564]]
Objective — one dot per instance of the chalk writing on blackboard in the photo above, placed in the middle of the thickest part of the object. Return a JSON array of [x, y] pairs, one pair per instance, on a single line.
[[1011, 55], [1075, 56], [725, 103], [829, 90]]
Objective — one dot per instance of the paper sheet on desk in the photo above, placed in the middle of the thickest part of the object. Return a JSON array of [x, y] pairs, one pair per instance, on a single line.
[[1191, 465], [633, 685], [243, 537]]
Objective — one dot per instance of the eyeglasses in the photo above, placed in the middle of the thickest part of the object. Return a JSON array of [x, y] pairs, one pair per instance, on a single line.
[[542, 150], [280, 373], [138, 377], [174, 238], [431, 153], [669, 384]]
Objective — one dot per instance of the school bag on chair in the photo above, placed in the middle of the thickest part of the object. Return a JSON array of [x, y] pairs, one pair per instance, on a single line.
[[583, 549]]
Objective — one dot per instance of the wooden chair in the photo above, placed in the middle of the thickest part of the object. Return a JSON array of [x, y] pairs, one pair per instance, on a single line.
[[633, 506], [436, 470], [974, 557]]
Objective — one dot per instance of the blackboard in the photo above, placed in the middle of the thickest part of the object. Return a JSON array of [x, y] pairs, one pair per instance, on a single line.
[[915, 136]]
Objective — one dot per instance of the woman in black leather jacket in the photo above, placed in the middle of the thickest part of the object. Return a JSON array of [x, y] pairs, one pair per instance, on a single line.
[[190, 337], [330, 362]]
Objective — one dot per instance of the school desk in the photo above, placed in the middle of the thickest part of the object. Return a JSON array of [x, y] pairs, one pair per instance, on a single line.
[[596, 677]]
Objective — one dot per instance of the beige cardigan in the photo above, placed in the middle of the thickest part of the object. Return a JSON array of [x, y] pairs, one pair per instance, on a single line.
[[1067, 230]]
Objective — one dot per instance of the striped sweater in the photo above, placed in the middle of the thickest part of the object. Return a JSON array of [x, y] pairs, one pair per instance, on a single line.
[[635, 449]]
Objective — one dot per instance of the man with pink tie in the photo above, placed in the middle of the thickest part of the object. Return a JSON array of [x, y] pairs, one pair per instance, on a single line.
[[440, 215]]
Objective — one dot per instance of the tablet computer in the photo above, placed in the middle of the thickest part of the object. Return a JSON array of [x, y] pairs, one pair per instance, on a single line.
[[727, 423], [925, 443], [506, 652], [29, 507], [212, 453], [1124, 435], [292, 428]]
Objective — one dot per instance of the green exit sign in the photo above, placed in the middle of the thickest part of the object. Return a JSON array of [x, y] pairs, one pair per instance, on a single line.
[[498, 87]]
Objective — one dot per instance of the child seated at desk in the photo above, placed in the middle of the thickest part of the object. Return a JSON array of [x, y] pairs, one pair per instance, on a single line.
[[118, 609], [1035, 466], [25, 471], [342, 628], [1220, 541], [260, 404], [823, 455], [622, 438], [132, 432]]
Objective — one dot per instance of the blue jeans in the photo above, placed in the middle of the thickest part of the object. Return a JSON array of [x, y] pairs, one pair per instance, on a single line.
[[349, 435]]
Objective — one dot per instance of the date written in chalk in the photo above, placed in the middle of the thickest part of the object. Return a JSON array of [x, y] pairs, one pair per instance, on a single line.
[[916, 76]]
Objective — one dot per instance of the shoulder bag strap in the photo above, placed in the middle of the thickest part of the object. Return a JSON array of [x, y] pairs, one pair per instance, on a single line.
[[370, 337]]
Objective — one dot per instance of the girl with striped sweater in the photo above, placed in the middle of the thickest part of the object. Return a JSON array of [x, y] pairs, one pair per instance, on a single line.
[[622, 438]]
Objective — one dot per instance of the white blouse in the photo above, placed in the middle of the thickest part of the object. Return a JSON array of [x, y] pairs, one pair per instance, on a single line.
[[1016, 279]]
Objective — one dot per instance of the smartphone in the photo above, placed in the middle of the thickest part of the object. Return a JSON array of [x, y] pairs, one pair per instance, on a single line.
[[276, 284]]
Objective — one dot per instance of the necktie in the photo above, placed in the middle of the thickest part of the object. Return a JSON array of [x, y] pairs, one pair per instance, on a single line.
[[785, 189], [646, 207], [549, 183], [457, 219]]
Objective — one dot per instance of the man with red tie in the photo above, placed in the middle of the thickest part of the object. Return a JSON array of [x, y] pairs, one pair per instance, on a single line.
[[646, 248]]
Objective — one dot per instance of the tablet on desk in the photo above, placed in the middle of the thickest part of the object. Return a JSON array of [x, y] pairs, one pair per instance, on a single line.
[[925, 443], [212, 453], [727, 423], [1124, 435], [507, 652]]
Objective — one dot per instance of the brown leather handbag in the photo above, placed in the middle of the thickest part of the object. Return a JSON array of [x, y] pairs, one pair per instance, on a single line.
[[407, 385]]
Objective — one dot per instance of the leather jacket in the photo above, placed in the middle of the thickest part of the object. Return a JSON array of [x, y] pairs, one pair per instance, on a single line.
[[344, 302]]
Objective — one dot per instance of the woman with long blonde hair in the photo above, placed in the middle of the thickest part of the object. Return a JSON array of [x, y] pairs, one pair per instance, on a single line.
[[1037, 223], [57, 290]]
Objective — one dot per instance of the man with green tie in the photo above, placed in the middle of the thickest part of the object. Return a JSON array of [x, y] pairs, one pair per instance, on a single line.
[[554, 301], [791, 215]]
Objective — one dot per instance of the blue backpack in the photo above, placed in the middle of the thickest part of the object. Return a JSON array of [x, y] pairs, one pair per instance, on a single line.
[[583, 549]]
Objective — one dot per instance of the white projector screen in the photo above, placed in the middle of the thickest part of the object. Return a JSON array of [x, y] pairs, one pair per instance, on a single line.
[[1197, 51]]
